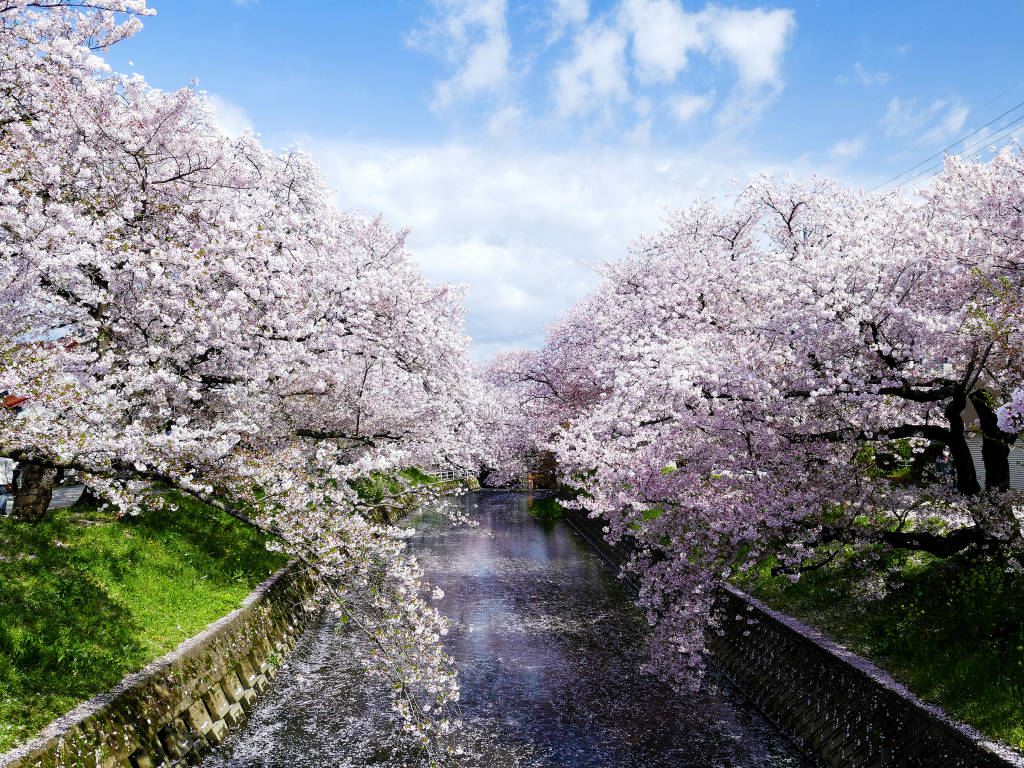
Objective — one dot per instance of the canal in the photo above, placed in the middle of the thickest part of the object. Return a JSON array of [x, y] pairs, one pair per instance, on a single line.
[[548, 646]]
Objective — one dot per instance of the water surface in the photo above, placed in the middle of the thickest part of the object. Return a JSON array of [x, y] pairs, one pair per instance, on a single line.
[[548, 646]]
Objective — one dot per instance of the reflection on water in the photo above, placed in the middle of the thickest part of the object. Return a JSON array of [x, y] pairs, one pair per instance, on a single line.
[[548, 646]]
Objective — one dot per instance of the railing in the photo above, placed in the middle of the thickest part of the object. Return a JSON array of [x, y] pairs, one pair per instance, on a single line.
[[445, 474]]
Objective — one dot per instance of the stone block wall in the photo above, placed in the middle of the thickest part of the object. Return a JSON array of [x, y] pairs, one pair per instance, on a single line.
[[591, 529], [834, 703], [391, 513], [174, 710], [837, 706]]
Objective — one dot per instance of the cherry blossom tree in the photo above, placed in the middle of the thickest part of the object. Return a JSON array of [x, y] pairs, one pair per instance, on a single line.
[[727, 394], [188, 311]]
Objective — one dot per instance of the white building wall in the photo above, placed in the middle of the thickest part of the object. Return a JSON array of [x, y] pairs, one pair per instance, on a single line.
[[1016, 462]]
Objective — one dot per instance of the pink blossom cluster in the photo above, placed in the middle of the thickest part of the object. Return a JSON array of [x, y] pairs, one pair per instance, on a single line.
[[1011, 414], [187, 310], [722, 397]]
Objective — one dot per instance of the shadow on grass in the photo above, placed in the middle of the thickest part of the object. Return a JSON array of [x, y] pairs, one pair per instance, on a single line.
[[221, 545], [63, 636], [86, 598]]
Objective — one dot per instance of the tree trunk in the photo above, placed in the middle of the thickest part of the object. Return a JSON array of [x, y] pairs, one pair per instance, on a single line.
[[963, 462], [33, 498], [995, 445], [87, 499]]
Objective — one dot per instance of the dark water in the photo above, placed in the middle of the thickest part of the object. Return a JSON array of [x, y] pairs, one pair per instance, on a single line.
[[548, 647]]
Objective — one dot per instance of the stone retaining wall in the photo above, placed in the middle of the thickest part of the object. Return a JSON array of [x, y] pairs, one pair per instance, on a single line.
[[834, 704], [391, 513], [591, 529], [177, 707]]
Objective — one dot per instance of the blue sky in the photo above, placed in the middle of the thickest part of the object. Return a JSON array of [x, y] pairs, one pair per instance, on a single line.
[[520, 141]]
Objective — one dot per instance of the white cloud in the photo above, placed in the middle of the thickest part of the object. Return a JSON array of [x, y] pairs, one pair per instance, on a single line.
[[641, 133], [753, 40], [596, 73], [899, 119], [860, 74], [663, 35], [848, 149], [504, 121], [517, 226], [743, 108], [940, 120], [229, 118], [954, 120], [685, 106], [472, 36], [566, 14], [606, 60]]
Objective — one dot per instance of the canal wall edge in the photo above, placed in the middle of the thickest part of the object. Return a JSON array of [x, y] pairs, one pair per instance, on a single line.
[[834, 704], [179, 706]]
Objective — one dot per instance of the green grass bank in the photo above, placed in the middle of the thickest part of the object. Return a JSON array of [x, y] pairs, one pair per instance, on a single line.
[[86, 598]]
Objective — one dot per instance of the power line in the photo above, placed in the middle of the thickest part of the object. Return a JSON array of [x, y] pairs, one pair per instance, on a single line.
[[943, 151], [1007, 131], [924, 139]]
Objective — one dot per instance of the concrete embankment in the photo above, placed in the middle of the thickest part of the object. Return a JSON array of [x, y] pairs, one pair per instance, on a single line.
[[179, 706]]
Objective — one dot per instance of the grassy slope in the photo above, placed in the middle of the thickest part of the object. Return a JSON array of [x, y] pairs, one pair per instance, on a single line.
[[951, 631], [86, 598]]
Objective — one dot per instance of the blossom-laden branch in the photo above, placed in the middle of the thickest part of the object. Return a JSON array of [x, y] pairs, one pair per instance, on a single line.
[[1011, 414]]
